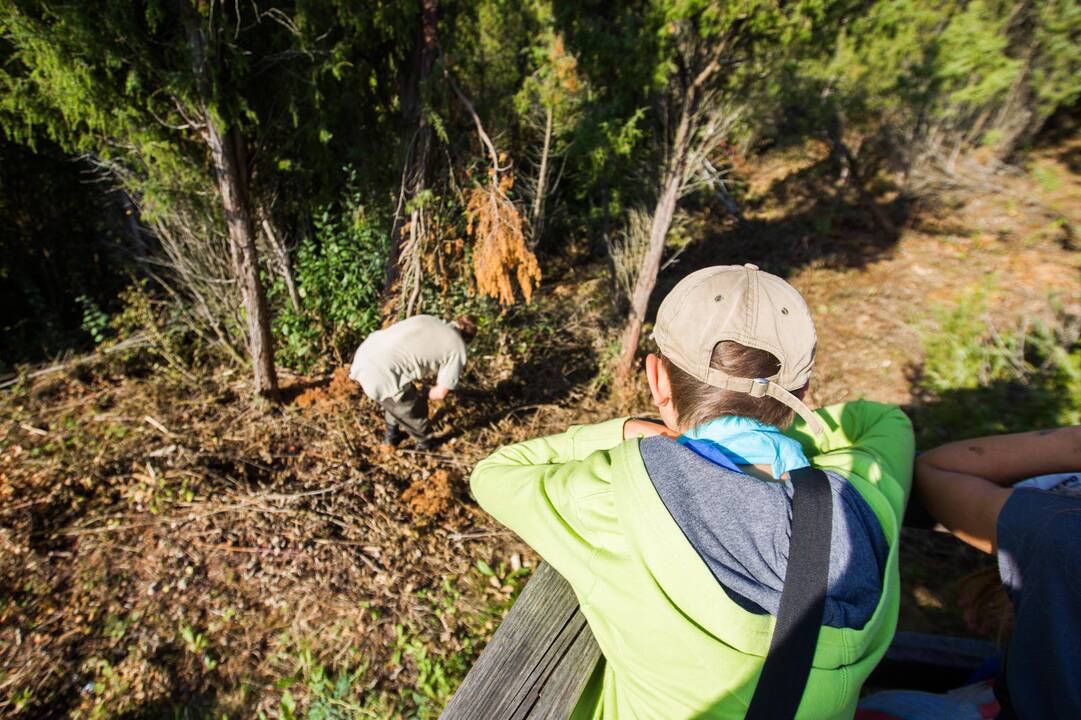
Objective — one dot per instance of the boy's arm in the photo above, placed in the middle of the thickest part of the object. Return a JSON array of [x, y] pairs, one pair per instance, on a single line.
[[965, 484], [534, 488]]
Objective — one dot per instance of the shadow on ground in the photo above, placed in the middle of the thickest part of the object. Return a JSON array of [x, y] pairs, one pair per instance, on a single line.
[[818, 224], [1003, 406]]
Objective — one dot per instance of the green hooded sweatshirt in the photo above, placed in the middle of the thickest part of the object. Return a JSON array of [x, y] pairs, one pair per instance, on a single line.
[[675, 645]]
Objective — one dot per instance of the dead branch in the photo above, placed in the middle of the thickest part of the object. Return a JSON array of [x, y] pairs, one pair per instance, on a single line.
[[132, 343]]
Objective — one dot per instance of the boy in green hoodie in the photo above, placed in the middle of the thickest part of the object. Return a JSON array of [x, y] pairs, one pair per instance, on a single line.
[[675, 535]]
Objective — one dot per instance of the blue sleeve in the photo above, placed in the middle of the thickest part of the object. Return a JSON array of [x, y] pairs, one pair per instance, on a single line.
[[1040, 565]]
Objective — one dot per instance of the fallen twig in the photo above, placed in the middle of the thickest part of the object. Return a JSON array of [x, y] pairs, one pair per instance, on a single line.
[[458, 537], [129, 344], [154, 422]]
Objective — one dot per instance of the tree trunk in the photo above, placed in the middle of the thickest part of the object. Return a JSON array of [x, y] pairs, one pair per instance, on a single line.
[[415, 165], [226, 152], [230, 168], [537, 215], [675, 175], [647, 276], [663, 213]]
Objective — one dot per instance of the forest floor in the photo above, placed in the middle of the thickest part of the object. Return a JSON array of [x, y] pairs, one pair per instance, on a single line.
[[170, 548]]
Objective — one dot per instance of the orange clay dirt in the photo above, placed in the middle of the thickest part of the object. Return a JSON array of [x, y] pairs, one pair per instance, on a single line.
[[429, 497], [340, 389]]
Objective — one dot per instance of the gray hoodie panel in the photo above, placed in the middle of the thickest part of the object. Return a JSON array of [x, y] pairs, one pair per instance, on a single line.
[[741, 528]]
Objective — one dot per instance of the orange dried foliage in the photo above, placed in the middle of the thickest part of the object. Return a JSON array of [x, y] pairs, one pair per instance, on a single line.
[[564, 66], [500, 254], [445, 255]]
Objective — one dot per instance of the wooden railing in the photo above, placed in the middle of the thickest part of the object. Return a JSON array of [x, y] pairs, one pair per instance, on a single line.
[[538, 661], [542, 655]]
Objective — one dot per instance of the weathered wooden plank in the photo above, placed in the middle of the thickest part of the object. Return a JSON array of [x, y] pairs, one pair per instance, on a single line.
[[555, 698], [538, 661], [543, 653]]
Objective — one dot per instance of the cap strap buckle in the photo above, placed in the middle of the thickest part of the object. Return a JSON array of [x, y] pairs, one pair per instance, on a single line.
[[760, 387]]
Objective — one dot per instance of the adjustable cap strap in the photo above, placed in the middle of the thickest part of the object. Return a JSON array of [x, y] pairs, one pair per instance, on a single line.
[[759, 387], [778, 393]]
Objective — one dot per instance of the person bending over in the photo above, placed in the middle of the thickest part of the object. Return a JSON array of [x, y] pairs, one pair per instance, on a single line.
[[1035, 533], [675, 536], [390, 361]]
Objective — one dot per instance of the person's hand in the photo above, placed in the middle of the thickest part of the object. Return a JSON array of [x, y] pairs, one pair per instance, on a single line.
[[636, 427], [438, 392]]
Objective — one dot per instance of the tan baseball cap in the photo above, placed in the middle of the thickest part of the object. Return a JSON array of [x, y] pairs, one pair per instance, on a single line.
[[751, 307]]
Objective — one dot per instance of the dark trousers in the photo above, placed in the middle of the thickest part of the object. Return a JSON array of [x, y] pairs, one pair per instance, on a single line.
[[409, 411]]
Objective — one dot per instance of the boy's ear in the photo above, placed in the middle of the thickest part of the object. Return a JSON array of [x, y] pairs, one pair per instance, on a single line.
[[659, 385]]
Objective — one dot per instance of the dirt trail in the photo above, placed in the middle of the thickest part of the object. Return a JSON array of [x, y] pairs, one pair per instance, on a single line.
[[1017, 245]]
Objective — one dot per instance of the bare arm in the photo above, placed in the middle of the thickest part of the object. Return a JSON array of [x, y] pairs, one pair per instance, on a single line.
[[965, 484]]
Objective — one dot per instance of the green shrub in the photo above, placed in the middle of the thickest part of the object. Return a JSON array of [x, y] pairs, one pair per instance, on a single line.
[[95, 320], [339, 276], [979, 378], [170, 331]]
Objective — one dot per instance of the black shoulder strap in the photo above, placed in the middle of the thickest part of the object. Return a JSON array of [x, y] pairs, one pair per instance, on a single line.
[[803, 600]]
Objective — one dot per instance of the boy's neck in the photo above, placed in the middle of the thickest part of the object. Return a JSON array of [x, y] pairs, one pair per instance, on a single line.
[[762, 472]]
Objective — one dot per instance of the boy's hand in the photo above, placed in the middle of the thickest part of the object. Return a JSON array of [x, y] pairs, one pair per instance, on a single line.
[[438, 392], [636, 427]]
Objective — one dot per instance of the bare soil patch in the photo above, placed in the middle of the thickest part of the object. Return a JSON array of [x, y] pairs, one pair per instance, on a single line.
[[429, 497]]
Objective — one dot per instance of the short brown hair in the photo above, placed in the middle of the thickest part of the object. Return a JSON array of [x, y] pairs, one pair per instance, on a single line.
[[696, 402], [467, 326]]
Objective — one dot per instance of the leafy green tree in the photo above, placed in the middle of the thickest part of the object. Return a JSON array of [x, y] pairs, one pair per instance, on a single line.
[[150, 106], [549, 104], [173, 99], [924, 85], [688, 63]]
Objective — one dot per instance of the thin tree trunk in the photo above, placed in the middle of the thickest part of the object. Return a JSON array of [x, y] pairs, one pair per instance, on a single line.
[[281, 254], [415, 165], [671, 190], [647, 276], [537, 215], [230, 168], [226, 151], [663, 213]]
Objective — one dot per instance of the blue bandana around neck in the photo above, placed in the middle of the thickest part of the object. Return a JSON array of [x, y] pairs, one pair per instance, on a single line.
[[734, 441]]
